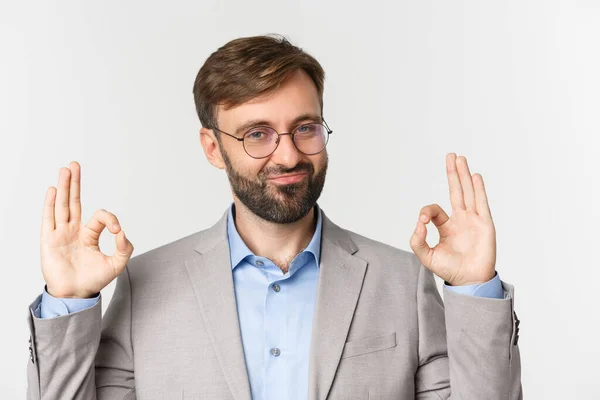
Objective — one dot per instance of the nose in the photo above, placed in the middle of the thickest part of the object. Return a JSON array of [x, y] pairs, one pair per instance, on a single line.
[[286, 153]]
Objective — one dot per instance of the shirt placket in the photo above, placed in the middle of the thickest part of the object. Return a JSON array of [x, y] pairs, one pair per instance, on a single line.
[[276, 349]]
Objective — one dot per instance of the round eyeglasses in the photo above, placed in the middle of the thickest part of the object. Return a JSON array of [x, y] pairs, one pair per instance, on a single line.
[[262, 141]]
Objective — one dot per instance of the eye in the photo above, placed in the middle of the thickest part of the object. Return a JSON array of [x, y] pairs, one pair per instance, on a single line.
[[306, 128], [257, 135], [306, 131]]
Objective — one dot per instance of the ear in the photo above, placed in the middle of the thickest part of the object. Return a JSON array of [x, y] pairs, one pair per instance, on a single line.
[[211, 147]]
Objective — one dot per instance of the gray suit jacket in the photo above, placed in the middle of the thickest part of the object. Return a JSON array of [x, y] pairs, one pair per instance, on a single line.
[[380, 331]]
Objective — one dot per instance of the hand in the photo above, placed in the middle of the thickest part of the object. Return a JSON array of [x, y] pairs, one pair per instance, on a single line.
[[72, 263], [466, 253]]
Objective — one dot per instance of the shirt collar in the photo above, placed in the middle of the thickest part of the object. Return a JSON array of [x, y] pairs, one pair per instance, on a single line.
[[238, 249]]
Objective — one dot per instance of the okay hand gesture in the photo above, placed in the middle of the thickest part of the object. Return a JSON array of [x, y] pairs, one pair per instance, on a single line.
[[72, 263], [466, 253]]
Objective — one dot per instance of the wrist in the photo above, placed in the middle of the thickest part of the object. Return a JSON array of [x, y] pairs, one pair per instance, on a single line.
[[476, 281], [69, 295]]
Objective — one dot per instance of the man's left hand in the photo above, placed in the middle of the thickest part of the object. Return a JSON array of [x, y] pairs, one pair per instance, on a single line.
[[466, 253]]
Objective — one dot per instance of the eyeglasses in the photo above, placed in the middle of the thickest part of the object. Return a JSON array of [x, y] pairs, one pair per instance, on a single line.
[[262, 141]]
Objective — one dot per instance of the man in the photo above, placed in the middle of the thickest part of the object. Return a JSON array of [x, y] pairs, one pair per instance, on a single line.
[[274, 301]]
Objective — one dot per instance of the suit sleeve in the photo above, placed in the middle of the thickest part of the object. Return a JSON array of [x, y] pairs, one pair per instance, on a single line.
[[82, 355], [467, 345]]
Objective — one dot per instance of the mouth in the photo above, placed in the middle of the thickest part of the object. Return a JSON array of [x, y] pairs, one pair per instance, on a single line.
[[289, 178]]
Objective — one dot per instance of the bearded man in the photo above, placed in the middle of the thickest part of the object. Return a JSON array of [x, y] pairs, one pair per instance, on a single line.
[[275, 301]]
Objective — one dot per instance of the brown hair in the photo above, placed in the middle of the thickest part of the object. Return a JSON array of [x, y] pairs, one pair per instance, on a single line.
[[246, 68]]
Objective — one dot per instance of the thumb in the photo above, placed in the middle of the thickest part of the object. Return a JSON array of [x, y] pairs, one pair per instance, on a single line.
[[123, 251], [418, 244]]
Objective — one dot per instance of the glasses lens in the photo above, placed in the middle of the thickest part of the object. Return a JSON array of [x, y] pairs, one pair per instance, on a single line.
[[310, 138], [260, 141]]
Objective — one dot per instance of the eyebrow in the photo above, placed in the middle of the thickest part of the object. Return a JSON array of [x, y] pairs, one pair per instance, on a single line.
[[256, 122]]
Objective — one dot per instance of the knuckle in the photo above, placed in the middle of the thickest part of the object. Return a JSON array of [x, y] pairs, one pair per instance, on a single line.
[[101, 214]]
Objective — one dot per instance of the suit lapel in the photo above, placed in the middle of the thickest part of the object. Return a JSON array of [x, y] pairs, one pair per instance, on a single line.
[[210, 273], [340, 281]]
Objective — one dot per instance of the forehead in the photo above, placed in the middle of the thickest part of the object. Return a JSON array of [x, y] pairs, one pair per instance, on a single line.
[[297, 95]]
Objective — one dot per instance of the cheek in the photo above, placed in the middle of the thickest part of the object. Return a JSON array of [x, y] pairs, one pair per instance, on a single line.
[[318, 161], [242, 163], [250, 167]]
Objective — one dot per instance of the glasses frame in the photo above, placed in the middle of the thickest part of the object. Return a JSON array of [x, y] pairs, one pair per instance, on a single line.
[[279, 135]]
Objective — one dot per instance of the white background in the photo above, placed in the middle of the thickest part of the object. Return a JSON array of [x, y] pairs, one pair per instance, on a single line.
[[514, 86]]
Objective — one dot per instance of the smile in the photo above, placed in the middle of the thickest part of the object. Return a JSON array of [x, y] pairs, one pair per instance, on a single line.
[[285, 179]]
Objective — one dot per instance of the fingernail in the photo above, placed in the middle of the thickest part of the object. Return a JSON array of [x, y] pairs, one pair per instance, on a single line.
[[423, 218], [116, 226]]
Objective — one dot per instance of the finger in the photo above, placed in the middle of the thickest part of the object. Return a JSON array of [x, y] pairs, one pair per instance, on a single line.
[[456, 194], [74, 192], [466, 182], [418, 244], [481, 200], [61, 206], [48, 211], [433, 213], [122, 253], [102, 219]]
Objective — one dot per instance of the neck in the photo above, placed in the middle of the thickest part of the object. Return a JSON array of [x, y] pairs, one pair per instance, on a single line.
[[277, 242]]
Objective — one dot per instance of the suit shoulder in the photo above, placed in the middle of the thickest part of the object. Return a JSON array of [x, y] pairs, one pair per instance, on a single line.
[[365, 243], [372, 249], [167, 253]]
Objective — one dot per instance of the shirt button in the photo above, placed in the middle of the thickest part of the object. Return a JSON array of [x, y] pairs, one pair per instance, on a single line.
[[259, 263], [275, 352], [276, 287]]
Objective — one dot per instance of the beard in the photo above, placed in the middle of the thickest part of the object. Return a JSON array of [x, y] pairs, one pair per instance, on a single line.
[[283, 203]]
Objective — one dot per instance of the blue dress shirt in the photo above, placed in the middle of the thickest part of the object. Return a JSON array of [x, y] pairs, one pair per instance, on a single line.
[[275, 312]]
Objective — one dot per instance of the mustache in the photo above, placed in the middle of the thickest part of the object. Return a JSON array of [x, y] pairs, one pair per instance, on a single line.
[[276, 171]]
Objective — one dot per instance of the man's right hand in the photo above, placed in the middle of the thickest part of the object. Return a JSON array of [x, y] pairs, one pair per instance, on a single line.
[[72, 263]]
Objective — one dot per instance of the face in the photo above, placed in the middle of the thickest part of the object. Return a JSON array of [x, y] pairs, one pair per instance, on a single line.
[[283, 187]]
